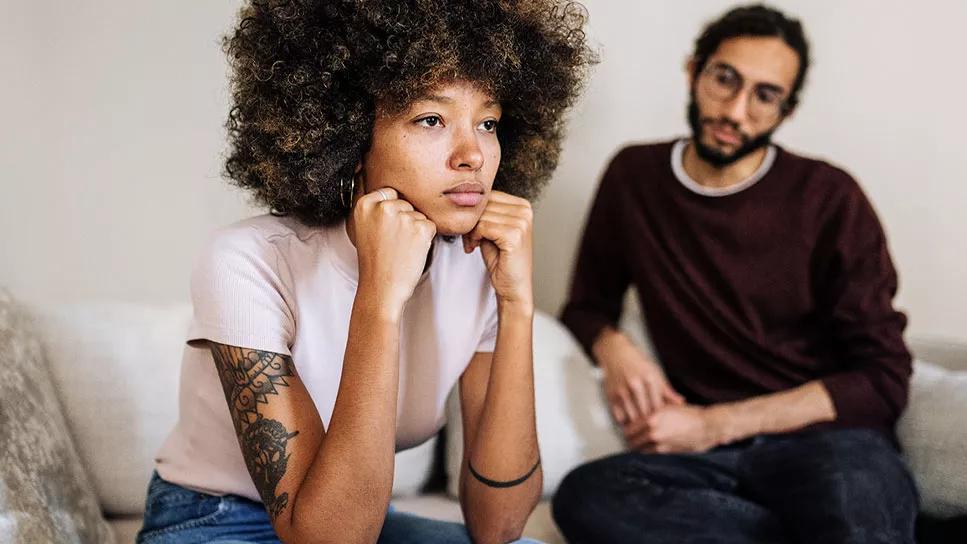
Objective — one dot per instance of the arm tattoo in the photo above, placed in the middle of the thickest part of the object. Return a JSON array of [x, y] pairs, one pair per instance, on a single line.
[[248, 377]]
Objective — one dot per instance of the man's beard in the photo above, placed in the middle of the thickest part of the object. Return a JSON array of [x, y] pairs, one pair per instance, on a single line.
[[713, 156]]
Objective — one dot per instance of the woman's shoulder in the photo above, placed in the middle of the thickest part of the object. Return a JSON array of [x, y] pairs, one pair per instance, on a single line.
[[261, 235], [264, 246], [266, 228]]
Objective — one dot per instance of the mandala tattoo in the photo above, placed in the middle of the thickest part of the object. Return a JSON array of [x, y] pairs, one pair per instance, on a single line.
[[248, 377]]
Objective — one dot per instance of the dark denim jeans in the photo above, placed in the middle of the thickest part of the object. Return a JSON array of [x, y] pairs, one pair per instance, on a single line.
[[175, 515], [828, 486]]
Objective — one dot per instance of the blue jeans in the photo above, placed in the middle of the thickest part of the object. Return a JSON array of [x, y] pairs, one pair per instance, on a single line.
[[175, 515], [829, 486]]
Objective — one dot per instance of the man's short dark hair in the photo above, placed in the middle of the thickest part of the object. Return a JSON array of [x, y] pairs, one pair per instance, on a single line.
[[760, 21]]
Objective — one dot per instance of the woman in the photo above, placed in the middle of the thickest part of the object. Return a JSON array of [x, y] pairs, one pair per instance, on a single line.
[[335, 327]]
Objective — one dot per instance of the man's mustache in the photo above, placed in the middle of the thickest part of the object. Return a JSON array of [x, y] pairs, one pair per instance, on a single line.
[[727, 123]]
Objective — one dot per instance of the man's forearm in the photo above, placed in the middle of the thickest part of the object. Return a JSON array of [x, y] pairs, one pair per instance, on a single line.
[[781, 412], [505, 446]]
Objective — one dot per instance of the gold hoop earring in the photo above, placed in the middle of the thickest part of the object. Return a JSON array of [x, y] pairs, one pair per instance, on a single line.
[[347, 202]]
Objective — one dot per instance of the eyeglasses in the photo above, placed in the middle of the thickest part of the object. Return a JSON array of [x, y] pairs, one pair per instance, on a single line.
[[723, 83]]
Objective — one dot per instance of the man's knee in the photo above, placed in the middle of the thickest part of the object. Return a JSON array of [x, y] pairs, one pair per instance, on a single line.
[[593, 493], [851, 483], [858, 463], [578, 492]]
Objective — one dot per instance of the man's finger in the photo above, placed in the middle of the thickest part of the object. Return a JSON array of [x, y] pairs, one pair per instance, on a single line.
[[672, 396], [617, 413], [641, 397], [655, 393], [641, 441], [627, 404]]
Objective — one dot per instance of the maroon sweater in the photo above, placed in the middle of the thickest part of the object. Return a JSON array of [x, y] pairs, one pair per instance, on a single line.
[[787, 281]]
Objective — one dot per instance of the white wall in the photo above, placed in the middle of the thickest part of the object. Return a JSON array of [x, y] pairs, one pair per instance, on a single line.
[[112, 111], [111, 145]]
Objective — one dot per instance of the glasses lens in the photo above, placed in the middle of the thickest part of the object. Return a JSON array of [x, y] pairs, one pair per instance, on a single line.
[[765, 105], [721, 83]]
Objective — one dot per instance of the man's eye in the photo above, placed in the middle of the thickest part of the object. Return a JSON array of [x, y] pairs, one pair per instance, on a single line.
[[767, 97], [489, 125], [726, 79], [429, 121]]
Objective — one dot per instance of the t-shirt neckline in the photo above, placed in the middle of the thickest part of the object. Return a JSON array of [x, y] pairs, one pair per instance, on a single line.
[[678, 167]]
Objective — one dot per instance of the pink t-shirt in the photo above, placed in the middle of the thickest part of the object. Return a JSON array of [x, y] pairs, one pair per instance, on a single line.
[[272, 283]]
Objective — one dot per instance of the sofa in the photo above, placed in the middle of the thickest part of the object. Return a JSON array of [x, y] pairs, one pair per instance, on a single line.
[[114, 367]]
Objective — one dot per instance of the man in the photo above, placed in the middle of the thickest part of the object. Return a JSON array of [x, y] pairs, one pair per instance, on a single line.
[[767, 288]]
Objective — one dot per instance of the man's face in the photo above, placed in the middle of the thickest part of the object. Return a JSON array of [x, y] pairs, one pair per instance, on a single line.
[[738, 99]]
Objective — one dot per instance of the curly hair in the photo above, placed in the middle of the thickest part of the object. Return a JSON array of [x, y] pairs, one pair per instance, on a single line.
[[308, 76]]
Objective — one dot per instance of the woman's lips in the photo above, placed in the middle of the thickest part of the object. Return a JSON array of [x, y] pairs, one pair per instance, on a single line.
[[465, 194], [465, 199]]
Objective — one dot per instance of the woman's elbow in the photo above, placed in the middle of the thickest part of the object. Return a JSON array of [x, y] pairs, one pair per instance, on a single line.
[[499, 533]]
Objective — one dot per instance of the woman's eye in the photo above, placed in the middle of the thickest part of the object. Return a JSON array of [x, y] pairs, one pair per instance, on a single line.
[[429, 121], [489, 125]]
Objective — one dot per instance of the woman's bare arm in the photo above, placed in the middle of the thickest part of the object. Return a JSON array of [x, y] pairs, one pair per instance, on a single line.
[[320, 485]]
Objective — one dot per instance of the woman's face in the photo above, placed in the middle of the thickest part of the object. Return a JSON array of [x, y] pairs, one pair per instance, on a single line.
[[440, 153]]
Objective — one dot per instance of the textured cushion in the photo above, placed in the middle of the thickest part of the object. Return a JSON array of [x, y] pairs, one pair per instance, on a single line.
[[116, 368], [933, 435], [45, 495], [413, 468], [116, 371], [573, 425], [944, 352]]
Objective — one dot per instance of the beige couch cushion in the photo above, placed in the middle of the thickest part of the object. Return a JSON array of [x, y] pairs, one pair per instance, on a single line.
[[116, 371], [116, 368], [933, 435]]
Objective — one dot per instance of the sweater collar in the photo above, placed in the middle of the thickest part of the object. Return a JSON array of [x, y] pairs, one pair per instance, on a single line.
[[678, 167]]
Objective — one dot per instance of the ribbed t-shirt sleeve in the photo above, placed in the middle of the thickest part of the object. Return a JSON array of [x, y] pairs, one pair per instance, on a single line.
[[871, 389], [238, 296], [600, 277]]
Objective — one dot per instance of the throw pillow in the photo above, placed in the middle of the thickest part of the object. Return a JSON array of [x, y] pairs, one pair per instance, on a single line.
[[933, 437], [45, 495]]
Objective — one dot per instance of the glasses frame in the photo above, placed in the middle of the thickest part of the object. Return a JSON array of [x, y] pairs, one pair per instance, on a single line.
[[707, 80]]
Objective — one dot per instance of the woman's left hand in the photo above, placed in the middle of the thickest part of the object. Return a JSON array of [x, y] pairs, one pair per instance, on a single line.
[[504, 234]]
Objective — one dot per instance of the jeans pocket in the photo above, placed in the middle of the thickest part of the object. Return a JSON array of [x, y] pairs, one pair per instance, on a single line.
[[171, 508]]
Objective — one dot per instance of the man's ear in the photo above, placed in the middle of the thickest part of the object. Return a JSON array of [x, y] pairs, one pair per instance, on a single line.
[[690, 65]]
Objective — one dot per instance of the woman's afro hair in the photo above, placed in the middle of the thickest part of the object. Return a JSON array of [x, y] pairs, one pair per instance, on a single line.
[[307, 77]]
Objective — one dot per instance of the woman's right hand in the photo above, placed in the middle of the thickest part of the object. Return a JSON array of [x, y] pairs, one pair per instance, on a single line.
[[392, 243]]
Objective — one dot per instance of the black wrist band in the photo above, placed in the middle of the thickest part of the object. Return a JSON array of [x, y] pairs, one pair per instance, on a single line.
[[494, 483]]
